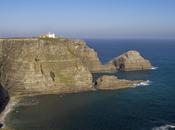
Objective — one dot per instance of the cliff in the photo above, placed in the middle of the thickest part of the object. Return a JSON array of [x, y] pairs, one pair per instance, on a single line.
[[43, 66], [52, 66], [130, 61], [88, 56]]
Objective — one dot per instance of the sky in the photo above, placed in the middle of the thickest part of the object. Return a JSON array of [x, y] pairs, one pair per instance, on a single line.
[[88, 18]]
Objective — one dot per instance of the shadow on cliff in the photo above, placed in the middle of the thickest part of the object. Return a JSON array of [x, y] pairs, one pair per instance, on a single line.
[[4, 99]]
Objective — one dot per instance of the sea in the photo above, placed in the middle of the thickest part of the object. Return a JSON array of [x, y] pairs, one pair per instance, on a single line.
[[150, 106]]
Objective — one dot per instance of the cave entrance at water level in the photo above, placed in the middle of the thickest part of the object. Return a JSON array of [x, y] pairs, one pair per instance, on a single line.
[[121, 66]]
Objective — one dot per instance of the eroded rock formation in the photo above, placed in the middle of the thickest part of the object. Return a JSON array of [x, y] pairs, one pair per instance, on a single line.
[[112, 82], [131, 60]]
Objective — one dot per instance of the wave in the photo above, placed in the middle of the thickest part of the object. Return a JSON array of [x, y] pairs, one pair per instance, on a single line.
[[7, 110], [144, 83], [154, 68], [165, 127]]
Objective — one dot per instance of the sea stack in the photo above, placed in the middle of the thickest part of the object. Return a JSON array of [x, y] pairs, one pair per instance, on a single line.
[[130, 61]]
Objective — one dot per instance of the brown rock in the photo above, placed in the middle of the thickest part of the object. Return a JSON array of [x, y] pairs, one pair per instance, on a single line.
[[42, 66], [89, 57], [131, 60], [112, 82]]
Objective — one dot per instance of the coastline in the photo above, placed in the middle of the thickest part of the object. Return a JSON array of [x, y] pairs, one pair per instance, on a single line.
[[9, 107], [14, 101]]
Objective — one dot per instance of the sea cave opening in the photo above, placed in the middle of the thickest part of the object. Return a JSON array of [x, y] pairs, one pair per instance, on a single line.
[[121, 67]]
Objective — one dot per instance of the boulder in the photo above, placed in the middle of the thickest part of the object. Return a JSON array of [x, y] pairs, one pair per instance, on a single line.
[[130, 61], [107, 82]]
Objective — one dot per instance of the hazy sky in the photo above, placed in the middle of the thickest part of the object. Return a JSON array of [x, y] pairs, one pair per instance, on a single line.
[[88, 18]]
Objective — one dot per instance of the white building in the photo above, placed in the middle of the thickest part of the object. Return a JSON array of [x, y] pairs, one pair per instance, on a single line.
[[49, 35]]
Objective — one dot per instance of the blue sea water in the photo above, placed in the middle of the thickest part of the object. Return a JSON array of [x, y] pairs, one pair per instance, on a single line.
[[149, 107]]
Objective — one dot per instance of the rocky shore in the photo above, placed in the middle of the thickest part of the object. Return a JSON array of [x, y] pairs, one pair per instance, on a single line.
[[36, 66], [112, 82]]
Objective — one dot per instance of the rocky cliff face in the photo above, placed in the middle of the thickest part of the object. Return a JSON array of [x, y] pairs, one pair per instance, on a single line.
[[131, 60], [88, 56], [32, 66]]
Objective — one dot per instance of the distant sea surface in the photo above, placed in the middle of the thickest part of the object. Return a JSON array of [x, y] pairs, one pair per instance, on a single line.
[[149, 107]]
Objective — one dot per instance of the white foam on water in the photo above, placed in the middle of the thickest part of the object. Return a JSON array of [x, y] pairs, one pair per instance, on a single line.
[[144, 83], [165, 127], [7, 110], [154, 68]]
